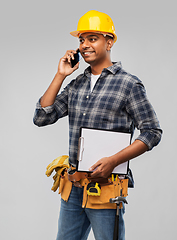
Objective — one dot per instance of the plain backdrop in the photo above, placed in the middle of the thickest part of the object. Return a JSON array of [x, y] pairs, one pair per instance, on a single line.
[[34, 35]]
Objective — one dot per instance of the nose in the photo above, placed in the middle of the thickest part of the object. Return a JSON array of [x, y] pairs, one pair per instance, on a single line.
[[85, 44]]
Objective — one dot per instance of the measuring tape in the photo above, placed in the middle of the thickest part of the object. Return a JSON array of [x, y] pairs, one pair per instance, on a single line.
[[93, 189]]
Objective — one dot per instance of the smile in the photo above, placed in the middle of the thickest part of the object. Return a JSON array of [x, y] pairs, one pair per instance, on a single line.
[[87, 53]]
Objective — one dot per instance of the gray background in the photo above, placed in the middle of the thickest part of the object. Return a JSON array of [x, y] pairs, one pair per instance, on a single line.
[[34, 35]]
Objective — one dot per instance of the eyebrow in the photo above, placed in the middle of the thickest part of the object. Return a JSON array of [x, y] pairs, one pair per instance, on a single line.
[[91, 35]]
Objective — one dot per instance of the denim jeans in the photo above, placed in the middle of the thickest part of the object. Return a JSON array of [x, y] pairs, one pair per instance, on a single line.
[[75, 222]]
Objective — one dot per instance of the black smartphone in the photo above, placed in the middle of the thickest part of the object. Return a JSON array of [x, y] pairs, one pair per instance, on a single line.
[[77, 58]]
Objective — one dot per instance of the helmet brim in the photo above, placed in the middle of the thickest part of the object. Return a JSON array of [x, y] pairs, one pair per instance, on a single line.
[[77, 33]]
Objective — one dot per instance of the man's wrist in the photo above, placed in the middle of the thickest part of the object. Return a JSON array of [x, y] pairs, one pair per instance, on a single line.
[[60, 76]]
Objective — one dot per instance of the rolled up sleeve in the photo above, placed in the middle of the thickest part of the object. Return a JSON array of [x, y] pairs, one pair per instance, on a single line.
[[48, 115], [144, 116]]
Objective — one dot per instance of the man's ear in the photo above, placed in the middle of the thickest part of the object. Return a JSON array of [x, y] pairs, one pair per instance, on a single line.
[[110, 43]]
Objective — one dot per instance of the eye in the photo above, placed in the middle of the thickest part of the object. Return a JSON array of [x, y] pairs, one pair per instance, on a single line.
[[92, 39], [81, 40]]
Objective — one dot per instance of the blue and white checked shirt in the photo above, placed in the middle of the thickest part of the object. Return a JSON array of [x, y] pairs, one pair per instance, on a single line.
[[118, 102]]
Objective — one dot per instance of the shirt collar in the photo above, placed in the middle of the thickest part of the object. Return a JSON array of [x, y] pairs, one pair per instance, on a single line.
[[113, 69]]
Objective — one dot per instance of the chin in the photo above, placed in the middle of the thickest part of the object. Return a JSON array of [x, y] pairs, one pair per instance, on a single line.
[[89, 61]]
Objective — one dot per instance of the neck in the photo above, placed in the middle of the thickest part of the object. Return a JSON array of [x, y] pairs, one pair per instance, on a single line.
[[97, 69]]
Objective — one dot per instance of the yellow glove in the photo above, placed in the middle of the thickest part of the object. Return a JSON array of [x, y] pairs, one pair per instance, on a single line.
[[56, 178], [62, 161], [59, 164]]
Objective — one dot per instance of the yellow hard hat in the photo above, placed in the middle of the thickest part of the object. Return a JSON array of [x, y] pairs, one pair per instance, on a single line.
[[94, 21]]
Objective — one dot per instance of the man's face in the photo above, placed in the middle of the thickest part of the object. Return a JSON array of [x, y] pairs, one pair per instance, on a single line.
[[93, 47]]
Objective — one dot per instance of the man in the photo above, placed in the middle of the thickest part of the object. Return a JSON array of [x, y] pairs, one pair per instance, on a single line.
[[106, 97]]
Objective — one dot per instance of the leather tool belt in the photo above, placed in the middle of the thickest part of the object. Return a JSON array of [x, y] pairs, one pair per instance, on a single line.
[[110, 188], [66, 176], [77, 177]]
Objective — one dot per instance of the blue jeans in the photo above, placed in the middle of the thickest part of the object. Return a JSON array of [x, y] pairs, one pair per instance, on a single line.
[[75, 222]]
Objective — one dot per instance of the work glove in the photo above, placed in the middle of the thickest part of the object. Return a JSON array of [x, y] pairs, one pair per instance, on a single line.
[[59, 162], [59, 165]]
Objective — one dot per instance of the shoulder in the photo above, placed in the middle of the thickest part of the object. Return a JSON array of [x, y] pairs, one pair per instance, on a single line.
[[76, 83], [122, 75], [129, 78], [81, 78]]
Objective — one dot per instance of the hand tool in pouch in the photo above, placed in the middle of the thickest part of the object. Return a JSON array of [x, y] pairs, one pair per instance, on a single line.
[[117, 200]]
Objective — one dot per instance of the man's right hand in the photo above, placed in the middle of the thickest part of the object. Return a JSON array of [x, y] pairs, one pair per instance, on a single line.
[[64, 66], [64, 69]]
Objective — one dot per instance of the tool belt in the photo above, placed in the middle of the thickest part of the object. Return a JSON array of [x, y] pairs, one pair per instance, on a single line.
[[96, 192], [76, 177]]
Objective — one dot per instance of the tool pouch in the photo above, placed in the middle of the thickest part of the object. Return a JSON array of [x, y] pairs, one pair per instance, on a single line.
[[111, 190], [65, 187]]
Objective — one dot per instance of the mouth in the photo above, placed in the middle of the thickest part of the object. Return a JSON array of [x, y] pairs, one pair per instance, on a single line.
[[87, 53]]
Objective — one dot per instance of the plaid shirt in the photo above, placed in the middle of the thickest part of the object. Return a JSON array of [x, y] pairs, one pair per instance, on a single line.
[[118, 102]]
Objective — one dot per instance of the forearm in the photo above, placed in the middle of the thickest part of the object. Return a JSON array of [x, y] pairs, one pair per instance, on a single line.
[[49, 96], [64, 70], [104, 167], [132, 151]]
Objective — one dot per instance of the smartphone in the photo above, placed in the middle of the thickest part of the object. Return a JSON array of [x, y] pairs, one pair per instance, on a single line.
[[77, 58]]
